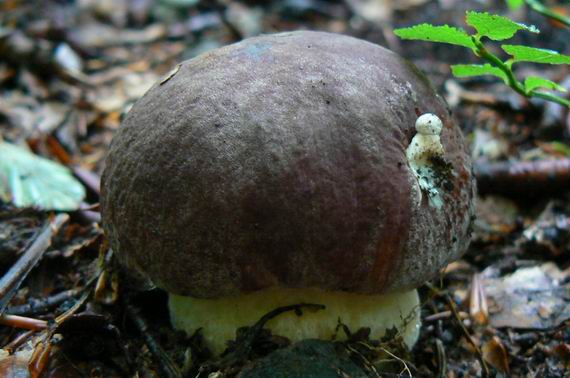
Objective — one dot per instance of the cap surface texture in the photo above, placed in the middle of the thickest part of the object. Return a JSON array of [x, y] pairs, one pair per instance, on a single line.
[[281, 161]]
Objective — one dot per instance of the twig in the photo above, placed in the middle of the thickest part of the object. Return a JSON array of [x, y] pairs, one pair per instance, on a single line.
[[18, 341], [37, 325], [406, 368], [444, 315], [441, 359], [11, 212], [468, 337], [23, 322], [80, 302], [165, 362], [362, 358], [41, 305], [526, 177], [12, 280]]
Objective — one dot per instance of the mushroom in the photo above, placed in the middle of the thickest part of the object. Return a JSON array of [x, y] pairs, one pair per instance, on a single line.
[[285, 169]]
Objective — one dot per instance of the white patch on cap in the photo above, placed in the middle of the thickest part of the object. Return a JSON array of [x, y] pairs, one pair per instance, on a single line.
[[424, 147]]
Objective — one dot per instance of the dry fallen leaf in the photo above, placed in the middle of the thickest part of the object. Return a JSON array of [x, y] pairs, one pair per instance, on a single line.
[[29, 180], [16, 364], [496, 355], [528, 298]]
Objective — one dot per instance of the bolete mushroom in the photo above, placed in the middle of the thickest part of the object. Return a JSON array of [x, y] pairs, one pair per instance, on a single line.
[[287, 168]]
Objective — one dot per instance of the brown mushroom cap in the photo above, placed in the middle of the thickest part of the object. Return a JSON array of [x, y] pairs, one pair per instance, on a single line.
[[281, 161]]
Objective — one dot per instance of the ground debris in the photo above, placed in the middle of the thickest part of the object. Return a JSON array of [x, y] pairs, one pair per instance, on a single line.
[[69, 72], [529, 298]]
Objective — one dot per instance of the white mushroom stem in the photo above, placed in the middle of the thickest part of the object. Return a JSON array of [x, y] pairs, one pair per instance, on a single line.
[[220, 318], [423, 149]]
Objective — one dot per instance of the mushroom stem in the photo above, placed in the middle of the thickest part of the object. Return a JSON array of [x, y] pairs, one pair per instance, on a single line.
[[220, 318]]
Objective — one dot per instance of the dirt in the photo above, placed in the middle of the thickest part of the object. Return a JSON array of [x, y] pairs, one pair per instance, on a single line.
[[69, 72]]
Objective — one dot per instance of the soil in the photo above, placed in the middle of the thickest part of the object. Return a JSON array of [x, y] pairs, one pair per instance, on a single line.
[[69, 72]]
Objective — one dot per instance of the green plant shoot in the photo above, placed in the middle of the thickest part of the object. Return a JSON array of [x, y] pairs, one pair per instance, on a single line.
[[496, 28]]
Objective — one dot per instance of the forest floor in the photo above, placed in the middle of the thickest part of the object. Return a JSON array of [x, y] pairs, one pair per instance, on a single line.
[[69, 72]]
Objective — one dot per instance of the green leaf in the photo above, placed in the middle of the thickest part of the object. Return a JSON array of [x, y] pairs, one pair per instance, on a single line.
[[29, 180], [532, 54], [533, 82], [515, 4], [494, 26], [432, 33], [467, 70]]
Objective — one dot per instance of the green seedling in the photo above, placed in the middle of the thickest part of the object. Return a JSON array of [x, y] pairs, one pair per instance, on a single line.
[[496, 28]]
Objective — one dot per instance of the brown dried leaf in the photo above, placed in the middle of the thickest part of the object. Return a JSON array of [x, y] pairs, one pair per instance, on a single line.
[[40, 357], [496, 355], [14, 365], [527, 298]]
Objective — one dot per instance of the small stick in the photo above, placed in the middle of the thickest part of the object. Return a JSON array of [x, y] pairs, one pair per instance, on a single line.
[[18, 341], [523, 177], [12, 280], [405, 369], [362, 358], [441, 359], [166, 364], [41, 305], [445, 315], [468, 337], [23, 322], [80, 302]]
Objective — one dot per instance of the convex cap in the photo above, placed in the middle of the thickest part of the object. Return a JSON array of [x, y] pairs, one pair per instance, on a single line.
[[281, 161]]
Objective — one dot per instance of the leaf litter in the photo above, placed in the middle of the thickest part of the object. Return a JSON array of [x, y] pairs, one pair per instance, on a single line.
[[69, 72]]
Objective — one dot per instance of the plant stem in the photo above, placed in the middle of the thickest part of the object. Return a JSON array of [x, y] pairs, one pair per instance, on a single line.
[[547, 12], [553, 98], [493, 59], [516, 85]]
